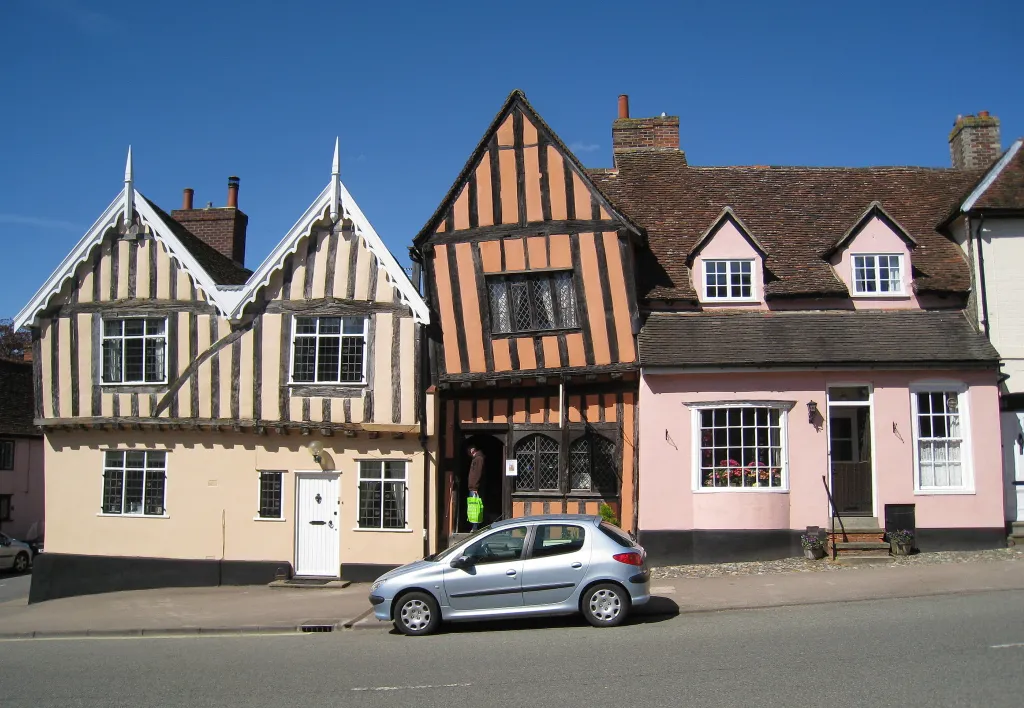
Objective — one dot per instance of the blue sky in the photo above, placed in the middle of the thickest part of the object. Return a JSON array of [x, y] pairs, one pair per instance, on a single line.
[[259, 89]]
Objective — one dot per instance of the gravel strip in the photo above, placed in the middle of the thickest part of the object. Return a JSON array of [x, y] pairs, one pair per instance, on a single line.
[[804, 565]]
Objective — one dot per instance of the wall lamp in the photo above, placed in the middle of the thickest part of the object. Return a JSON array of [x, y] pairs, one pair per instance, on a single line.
[[812, 411], [316, 449]]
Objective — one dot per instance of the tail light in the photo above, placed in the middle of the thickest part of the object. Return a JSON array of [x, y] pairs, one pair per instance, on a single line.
[[629, 558]]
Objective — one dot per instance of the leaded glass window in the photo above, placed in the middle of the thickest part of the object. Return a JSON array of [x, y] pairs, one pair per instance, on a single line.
[[593, 465], [329, 350], [382, 490], [537, 456], [134, 350], [532, 302]]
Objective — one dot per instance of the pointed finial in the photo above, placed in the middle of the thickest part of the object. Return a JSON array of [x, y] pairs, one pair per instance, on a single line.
[[129, 189], [336, 182]]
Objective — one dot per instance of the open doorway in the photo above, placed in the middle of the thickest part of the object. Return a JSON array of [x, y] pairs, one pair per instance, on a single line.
[[849, 425], [491, 484]]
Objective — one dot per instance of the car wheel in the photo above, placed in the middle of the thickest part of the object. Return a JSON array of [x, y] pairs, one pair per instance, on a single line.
[[21, 562], [416, 614], [605, 605]]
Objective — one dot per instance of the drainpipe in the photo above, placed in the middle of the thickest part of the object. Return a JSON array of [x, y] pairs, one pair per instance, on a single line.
[[981, 276], [422, 285]]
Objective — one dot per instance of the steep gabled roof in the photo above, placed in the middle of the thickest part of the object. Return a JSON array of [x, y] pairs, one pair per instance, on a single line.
[[1002, 187], [517, 99], [334, 199], [727, 216], [798, 213], [160, 226], [874, 211]]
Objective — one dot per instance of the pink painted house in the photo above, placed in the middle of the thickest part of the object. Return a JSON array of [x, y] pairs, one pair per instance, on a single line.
[[806, 331], [21, 454]]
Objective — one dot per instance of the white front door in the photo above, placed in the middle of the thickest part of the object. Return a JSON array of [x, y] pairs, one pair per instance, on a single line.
[[1013, 464], [317, 537]]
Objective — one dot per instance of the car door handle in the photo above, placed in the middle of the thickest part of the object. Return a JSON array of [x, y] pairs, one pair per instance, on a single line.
[[577, 564], [510, 572]]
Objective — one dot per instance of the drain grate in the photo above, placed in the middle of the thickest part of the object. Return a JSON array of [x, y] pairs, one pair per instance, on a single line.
[[317, 628]]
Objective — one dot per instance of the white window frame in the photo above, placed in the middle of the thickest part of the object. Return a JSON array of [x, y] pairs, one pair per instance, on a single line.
[[359, 495], [259, 495], [122, 337], [730, 263], [315, 382], [146, 468], [966, 447], [878, 281], [695, 478]]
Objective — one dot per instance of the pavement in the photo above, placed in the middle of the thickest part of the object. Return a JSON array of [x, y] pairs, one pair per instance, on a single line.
[[260, 609], [922, 652], [14, 587]]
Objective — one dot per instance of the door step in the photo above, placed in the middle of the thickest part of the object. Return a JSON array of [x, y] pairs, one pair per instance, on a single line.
[[862, 546], [311, 583], [856, 524]]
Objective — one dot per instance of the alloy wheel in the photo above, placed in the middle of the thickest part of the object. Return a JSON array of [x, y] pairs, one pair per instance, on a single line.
[[605, 605], [20, 563]]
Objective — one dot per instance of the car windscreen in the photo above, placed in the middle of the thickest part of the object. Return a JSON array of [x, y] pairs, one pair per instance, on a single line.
[[616, 534], [447, 553]]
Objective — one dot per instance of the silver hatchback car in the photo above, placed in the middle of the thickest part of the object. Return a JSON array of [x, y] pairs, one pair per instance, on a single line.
[[538, 565]]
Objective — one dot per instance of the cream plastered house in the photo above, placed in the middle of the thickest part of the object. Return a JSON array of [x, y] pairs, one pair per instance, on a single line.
[[205, 424], [989, 226]]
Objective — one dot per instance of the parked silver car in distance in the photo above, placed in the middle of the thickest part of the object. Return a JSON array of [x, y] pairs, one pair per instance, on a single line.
[[14, 554], [538, 565]]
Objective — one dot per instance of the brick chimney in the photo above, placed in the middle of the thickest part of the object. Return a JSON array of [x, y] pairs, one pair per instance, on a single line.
[[974, 142], [631, 134], [223, 228]]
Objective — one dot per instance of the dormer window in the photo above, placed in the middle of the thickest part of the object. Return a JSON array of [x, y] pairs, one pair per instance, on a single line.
[[728, 279], [877, 274]]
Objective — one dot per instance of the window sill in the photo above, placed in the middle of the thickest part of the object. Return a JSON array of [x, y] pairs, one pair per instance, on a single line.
[[731, 301], [535, 333], [139, 387], [362, 530], [134, 516], [264, 518], [328, 390], [741, 490], [880, 296], [943, 492]]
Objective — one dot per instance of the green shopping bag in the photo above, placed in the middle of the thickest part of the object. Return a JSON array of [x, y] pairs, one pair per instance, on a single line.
[[474, 510]]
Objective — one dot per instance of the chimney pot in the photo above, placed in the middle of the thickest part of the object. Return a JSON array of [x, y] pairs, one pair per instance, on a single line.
[[233, 192], [983, 114], [186, 198], [623, 105]]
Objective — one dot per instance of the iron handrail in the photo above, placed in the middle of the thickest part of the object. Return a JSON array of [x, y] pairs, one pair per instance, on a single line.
[[835, 514]]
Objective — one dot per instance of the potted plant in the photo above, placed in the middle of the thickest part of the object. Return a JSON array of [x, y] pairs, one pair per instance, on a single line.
[[900, 542], [814, 547]]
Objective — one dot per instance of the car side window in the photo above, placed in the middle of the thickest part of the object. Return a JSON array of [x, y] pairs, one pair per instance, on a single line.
[[557, 539], [503, 545]]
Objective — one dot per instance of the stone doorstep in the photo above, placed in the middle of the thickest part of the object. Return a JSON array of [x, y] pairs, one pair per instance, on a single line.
[[857, 524], [862, 546], [329, 585]]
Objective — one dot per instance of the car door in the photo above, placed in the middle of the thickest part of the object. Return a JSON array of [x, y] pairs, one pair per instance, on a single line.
[[493, 578], [557, 563]]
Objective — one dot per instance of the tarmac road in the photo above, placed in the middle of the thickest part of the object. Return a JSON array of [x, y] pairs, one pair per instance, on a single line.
[[954, 650], [14, 587]]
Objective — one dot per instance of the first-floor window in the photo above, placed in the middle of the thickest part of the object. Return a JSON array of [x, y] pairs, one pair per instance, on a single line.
[[382, 488], [134, 350], [940, 440], [877, 274], [270, 495], [133, 482], [741, 447], [6, 454], [329, 350], [532, 302], [5, 507]]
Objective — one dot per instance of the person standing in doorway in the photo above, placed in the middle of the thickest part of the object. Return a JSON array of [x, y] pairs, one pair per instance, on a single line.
[[476, 475]]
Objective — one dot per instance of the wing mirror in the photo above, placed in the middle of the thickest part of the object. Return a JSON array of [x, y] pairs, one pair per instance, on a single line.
[[462, 562]]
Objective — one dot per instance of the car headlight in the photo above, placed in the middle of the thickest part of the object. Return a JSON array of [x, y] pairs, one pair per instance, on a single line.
[[376, 586]]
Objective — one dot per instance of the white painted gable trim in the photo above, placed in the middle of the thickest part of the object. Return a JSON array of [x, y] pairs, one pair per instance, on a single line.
[[94, 236], [991, 177], [394, 273]]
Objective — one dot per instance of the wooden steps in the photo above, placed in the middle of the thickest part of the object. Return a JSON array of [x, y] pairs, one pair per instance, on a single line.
[[863, 542]]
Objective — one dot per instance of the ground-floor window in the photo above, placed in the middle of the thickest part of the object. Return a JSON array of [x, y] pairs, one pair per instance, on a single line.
[[270, 495], [5, 507], [382, 490], [940, 439], [593, 465], [741, 447], [134, 482]]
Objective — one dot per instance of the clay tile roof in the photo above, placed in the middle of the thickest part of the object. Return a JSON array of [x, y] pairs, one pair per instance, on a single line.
[[219, 267], [1007, 190], [801, 338], [17, 404], [798, 213]]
